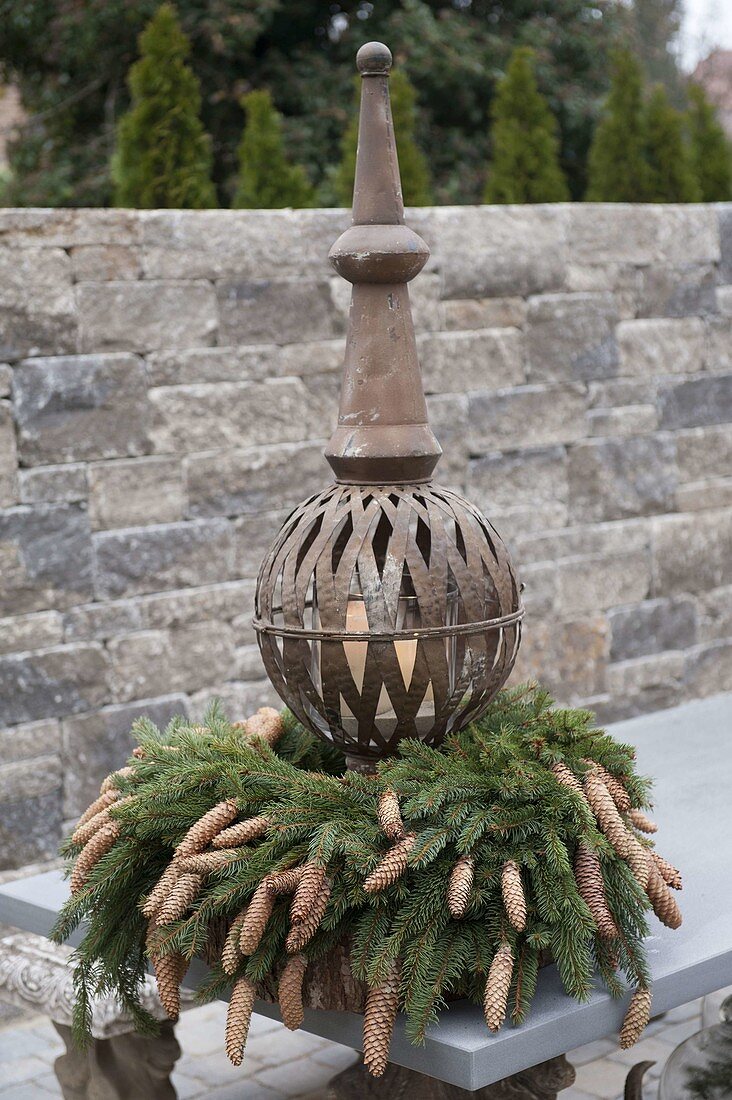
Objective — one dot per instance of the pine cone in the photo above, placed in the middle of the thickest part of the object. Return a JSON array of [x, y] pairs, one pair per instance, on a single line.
[[289, 992], [497, 986], [618, 793], [206, 862], [160, 891], [203, 832], [238, 1018], [567, 778], [382, 1003], [639, 819], [591, 885], [285, 882], [668, 872], [391, 867], [607, 814], [255, 920], [639, 860], [514, 899], [307, 891], [231, 952], [242, 832], [110, 783], [460, 885], [168, 974], [180, 899], [301, 934], [389, 816], [82, 834], [97, 805], [663, 901], [98, 846], [636, 1018], [266, 723]]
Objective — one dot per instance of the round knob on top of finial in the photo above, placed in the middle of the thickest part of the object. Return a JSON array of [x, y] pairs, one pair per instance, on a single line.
[[373, 58]]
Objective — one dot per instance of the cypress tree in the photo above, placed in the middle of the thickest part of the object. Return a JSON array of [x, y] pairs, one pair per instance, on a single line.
[[416, 185], [266, 179], [711, 156], [670, 174], [617, 170], [163, 156], [525, 165]]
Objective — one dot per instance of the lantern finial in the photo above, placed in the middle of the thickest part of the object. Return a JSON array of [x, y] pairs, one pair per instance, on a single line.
[[383, 436]]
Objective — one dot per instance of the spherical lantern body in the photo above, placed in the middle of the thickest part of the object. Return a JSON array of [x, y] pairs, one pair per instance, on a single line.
[[387, 607], [387, 612]]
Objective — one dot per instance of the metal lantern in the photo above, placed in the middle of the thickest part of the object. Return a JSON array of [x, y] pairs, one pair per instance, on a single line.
[[387, 606]]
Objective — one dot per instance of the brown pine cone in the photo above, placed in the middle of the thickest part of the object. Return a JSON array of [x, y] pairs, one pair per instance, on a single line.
[[110, 783], [619, 795], [301, 934], [497, 987], [663, 901], [391, 867], [97, 805], [209, 826], [180, 899], [289, 992], [514, 899], [285, 882], [206, 862], [668, 872], [266, 723], [567, 778], [83, 833], [636, 1018], [606, 812], [242, 832], [231, 952], [160, 890], [591, 886], [382, 1003], [238, 1018], [639, 861], [168, 973], [255, 920], [306, 892], [98, 846], [641, 822], [390, 816], [459, 886]]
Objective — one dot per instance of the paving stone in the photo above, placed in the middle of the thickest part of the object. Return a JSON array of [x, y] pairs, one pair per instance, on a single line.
[[688, 233], [489, 358], [53, 682], [143, 316], [295, 1078], [448, 414], [693, 552], [55, 484], [30, 829], [102, 263], [37, 313], [70, 408], [24, 632], [628, 420], [724, 221], [646, 683], [244, 481], [23, 1042], [677, 291], [567, 658], [45, 558], [708, 669], [22, 1070], [603, 233], [544, 414], [253, 536], [649, 1049], [470, 313], [661, 346], [239, 699], [678, 1033], [616, 479], [255, 363], [697, 402], [25, 779], [537, 476], [703, 452], [652, 627], [186, 1088], [277, 1047], [136, 492], [258, 311], [30, 1090], [571, 337], [30, 739], [9, 491], [604, 1079], [138, 560], [718, 350]]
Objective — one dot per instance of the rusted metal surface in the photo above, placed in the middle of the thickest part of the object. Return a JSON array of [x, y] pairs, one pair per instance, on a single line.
[[387, 607]]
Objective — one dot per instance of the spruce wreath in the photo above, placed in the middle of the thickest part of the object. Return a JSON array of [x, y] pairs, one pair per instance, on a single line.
[[451, 872]]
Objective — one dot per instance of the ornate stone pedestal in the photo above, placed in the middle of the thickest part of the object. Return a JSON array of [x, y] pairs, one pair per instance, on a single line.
[[542, 1082]]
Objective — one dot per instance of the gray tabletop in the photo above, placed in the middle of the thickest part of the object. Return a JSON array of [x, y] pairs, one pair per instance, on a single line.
[[688, 751]]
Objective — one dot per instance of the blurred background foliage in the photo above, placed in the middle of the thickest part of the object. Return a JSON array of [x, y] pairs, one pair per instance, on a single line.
[[71, 62]]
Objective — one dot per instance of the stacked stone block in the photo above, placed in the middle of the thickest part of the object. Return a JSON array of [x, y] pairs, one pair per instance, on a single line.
[[167, 381]]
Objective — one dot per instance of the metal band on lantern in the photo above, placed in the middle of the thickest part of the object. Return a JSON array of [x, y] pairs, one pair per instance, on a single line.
[[387, 607]]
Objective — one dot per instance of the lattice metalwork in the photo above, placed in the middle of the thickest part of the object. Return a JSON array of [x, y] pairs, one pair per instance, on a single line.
[[387, 612]]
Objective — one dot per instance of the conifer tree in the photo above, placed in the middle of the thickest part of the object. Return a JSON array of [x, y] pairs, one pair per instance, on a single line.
[[163, 156], [710, 151], [415, 176], [525, 165], [266, 179], [670, 174], [617, 170]]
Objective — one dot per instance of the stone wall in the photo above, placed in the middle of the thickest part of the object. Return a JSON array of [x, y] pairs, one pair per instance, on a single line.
[[170, 379]]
